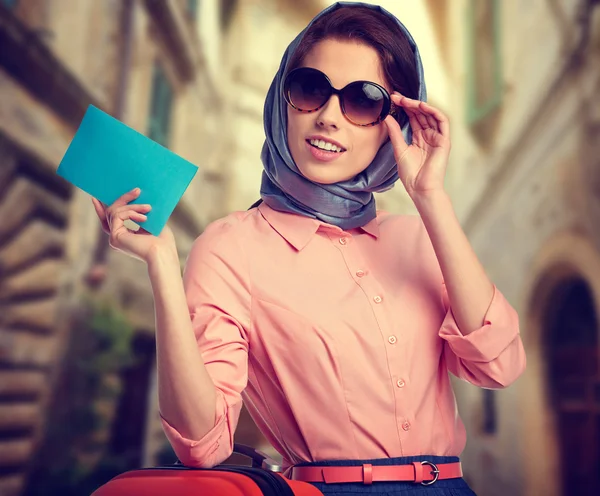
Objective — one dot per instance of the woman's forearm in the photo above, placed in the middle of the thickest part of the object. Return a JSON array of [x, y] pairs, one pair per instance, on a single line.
[[469, 289], [186, 393]]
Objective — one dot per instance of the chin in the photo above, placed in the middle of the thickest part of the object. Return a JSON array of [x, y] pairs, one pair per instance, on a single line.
[[321, 175]]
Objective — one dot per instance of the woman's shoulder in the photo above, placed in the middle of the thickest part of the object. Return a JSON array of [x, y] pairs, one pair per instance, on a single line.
[[230, 223], [226, 231], [387, 220], [406, 234], [407, 229]]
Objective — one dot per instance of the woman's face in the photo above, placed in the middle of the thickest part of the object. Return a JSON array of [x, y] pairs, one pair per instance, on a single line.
[[343, 62]]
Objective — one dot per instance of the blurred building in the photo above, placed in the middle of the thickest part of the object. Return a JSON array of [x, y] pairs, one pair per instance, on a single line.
[[259, 33], [144, 62], [523, 83]]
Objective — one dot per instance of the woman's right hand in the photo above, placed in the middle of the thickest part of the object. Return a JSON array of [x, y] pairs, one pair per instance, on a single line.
[[138, 244]]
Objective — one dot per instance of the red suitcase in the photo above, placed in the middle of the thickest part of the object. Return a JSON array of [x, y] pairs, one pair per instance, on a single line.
[[222, 480]]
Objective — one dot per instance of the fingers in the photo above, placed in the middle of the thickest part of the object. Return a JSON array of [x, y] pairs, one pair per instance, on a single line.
[[126, 198], [431, 122], [411, 107], [131, 215], [421, 118], [403, 102], [106, 213], [101, 212], [118, 216], [441, 119], [415, 124], [395, 133], [98, 206], [121, 202], [424, 114]]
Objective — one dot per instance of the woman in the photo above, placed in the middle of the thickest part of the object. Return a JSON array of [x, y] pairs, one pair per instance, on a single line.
[[336, 324]]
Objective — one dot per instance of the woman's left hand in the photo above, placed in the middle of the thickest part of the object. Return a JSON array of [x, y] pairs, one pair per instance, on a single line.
[[422, 164]]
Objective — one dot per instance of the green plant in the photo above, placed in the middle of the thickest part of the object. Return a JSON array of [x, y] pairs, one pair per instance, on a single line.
[[73, 461]]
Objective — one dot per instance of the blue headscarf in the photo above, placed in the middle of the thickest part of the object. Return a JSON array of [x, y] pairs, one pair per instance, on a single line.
[[346, 204]]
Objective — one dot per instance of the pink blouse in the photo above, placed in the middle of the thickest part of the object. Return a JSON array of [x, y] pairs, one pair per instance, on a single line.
[[338, 342]]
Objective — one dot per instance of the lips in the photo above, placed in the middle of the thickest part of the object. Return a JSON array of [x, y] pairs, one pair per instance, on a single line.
[[323, 155], [326, 140]]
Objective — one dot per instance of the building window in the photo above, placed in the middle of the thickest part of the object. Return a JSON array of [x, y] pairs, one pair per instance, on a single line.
[[489, 412], [484, 67], [160, 107], [128, 433], [227, 10], [192, 8]]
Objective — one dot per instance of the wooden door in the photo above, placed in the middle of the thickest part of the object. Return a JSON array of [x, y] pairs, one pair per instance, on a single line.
[[574, 383]]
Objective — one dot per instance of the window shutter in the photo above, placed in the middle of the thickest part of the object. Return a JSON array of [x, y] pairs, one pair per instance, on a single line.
[[160, 107], [484, 61], [192, 7]]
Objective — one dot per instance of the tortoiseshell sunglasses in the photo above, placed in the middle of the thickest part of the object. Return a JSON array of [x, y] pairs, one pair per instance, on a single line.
[[364, 103]]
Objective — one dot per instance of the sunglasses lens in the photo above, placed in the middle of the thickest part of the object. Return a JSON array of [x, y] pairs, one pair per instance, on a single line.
[[363, 103], [307, 89]]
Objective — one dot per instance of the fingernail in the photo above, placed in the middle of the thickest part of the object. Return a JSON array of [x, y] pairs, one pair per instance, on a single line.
[[136, 190]]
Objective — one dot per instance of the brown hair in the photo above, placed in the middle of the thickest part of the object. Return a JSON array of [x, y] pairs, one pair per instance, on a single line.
[[369, 26]]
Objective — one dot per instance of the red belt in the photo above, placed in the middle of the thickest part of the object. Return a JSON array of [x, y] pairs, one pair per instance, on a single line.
[[423, 472]]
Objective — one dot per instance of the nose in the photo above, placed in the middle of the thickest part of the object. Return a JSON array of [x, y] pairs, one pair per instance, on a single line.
[[330, 114]]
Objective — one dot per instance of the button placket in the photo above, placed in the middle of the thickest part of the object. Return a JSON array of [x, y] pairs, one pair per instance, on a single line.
[[345, 239], [375, 296], [373, 291]]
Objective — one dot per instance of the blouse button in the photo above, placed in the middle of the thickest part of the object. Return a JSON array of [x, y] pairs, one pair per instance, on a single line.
[[360, 273], [392, 339], [377, 299], [406, 426], [343, 241], [401, 383]]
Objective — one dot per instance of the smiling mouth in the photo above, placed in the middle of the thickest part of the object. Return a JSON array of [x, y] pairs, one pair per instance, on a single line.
[[325, 146]]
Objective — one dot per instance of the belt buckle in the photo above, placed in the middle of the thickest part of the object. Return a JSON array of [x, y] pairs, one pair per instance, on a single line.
[[435, 472]]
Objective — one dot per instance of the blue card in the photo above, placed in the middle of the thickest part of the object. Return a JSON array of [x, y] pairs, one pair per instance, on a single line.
[[107, 158]]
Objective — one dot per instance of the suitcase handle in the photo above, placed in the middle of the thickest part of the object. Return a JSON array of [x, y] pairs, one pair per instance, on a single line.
[[259, 459]]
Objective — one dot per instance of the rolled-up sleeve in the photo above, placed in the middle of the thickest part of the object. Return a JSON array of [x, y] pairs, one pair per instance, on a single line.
[[492, 356], [218, 296]]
